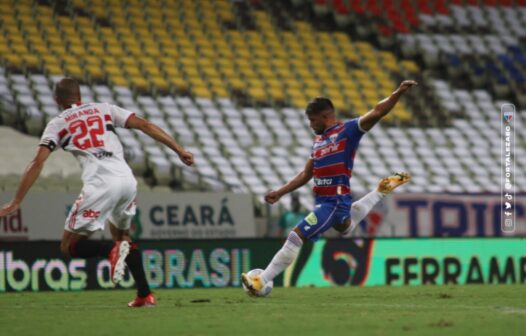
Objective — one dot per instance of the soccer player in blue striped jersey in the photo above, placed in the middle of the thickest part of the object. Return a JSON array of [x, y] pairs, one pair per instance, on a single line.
[[330, 165]]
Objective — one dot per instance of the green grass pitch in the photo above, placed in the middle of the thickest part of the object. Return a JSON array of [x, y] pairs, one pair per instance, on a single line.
[[453, 310]]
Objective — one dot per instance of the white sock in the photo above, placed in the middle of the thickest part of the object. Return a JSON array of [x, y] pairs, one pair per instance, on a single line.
[[284, 257], [361, 208]]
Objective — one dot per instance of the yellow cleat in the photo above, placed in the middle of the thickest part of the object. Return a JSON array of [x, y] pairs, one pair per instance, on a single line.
[[388, 184], [253, 283]]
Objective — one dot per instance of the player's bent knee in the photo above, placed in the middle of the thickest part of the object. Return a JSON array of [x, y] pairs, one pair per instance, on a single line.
[[299, 234], [118, 234], [343, 227]]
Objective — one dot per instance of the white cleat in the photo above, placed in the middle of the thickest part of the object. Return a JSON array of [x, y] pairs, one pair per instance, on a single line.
[[118, 255]]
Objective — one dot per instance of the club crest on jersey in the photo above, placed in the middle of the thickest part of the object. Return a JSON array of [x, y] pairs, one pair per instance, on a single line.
[[333, 137], [508, 116], [311, 219]]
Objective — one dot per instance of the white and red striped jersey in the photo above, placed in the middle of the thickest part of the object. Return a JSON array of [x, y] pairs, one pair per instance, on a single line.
[[88, 132]]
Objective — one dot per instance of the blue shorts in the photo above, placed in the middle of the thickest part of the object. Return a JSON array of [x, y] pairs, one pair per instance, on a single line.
[[324, 216]]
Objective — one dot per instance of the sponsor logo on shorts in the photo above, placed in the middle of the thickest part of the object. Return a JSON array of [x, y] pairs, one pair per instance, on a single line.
[[91, 214], [311, 219]]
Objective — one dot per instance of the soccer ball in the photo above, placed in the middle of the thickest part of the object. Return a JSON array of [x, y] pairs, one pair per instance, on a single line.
[[265, 291]]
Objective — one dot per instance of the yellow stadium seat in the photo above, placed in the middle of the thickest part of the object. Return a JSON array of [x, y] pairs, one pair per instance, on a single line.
[[237, 83], [247, 71], [74, 70], [95, 71], [228, 71], [132, 71], [139, 82], [220, 92], [171, 70], [96, 49], [410, 66], [296, 94], [266, 72], [202, 91], [255, 82], [159, 82], [19, 49], [257, 93], [148, 62], [128, 62], [285, 73], [216, 82], [352, 95], [275, 84], [178, 82], [276, 93], [113, 70], [402, 113], [298, 102], [152, 49], [53, 69], [312, 83], [359, 108], [209, 71], [191, 72], [340, 104], [312, 93], [207, 53], [170, 51], [118, 80]]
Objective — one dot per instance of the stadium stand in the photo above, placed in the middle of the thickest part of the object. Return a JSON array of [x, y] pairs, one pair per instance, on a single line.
[[230, 80]]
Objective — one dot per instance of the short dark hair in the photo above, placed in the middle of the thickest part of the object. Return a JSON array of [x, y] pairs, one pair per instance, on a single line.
[[67, 89], [318, 105]]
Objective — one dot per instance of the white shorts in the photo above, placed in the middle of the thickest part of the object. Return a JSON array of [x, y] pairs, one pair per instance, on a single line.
[[109, 199]]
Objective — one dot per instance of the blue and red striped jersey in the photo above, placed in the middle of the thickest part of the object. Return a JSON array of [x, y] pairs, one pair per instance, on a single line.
[[333, 157]]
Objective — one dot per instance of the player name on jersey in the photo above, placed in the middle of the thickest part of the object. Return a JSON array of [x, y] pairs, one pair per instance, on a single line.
[[76, 114]]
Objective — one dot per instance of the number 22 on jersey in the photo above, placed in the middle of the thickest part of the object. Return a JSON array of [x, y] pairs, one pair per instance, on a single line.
[[87, 133]]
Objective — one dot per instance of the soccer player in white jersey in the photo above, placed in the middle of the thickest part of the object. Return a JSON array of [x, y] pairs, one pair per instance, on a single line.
[[109, 190], [330, 165]]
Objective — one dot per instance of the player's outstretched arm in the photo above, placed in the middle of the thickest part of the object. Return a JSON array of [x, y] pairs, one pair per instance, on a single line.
[[384, 106], [299, 180], [30, 176], [158, 134]]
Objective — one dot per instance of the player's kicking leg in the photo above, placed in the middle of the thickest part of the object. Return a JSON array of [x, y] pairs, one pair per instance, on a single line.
[[133, 258], [364, 205]]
